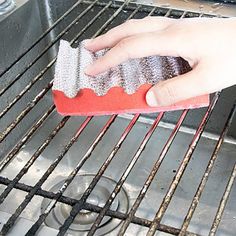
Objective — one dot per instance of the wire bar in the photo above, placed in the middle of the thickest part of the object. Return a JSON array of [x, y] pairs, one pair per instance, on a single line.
[[93, 208], [26, 110], [166, 201], [31, 105], [125, 174], [156, 165], [79, 205], [26, 89], [114, 16], [33, 159], [59, 36], [152, 174], [223, 202], [205, 177], [7, 70], [25, 138], [71, 176], [7, 226]]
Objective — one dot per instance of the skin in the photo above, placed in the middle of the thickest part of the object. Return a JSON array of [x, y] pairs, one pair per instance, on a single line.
[[208, 44]]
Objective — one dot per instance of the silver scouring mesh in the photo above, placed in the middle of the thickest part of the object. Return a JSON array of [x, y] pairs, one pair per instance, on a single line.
[[130, 75]]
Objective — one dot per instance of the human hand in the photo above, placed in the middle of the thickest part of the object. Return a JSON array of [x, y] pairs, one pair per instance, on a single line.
[[208, 44]]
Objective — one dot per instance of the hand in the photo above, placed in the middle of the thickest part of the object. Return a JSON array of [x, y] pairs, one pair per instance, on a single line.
[[208, 44]]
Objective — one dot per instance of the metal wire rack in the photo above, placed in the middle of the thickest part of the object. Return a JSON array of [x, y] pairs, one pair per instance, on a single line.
[[81, 204]]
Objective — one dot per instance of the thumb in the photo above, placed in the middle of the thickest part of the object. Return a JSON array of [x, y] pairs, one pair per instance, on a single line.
[[177, 89]]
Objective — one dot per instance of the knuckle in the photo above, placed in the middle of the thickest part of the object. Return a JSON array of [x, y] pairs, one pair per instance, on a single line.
[[108, 36], [110, 33], [147, 18], [130, 22], [122, 46]]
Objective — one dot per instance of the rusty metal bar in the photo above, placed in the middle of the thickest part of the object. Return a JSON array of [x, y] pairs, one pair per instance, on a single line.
[[33, 158], [43, 92], [59, 36], [26, 110], [152, 174], [6, 160], [166, 201], [43, 216], [156, 165], [10, 156], [90, 23], [50, 64], [114, 16], [26, 137], [205, 177], [7, 70], [125, 174], [145, 9], [93, 208], [79, 205], [26, 89], [69, 179], [223, 203], [11, 221]]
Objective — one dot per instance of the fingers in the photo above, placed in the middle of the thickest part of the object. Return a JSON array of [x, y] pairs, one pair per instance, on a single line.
[[129, 28], [177, 89], [138, 46]]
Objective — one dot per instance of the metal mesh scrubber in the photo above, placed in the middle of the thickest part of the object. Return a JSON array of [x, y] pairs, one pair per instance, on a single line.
[[130, 75]]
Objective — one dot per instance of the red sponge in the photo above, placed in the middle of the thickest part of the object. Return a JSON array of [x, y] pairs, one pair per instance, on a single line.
[[121, 89], [116, 101]]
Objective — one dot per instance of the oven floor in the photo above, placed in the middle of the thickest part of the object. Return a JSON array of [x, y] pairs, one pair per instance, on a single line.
[[178, 207]]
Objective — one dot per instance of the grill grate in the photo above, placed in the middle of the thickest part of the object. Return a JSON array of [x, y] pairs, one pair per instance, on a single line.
[[81, 204]]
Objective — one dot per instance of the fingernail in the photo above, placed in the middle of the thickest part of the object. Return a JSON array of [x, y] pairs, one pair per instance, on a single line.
[[151, 99]]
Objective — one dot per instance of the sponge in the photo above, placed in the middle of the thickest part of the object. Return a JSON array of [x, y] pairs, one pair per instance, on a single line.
[[121, 89]]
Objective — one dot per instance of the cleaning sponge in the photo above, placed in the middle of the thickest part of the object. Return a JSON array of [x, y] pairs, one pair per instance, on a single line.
[[122, 89]]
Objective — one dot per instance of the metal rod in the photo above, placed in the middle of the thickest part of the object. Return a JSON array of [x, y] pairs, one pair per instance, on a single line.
[[104, 25], [7, 70], [79, 205], [223, 203], [156, 166], [146, 9], [69, 179], [59, 36], [33, 158], [26, 89], [26, 137], [152, 174], [11, 221], [125, 175], [50, 64], [90, 23], [7, 159], [93, 208], [55, 198], [208, 170], [129, 7], [113, 17], [182, 167], [26, 110]]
